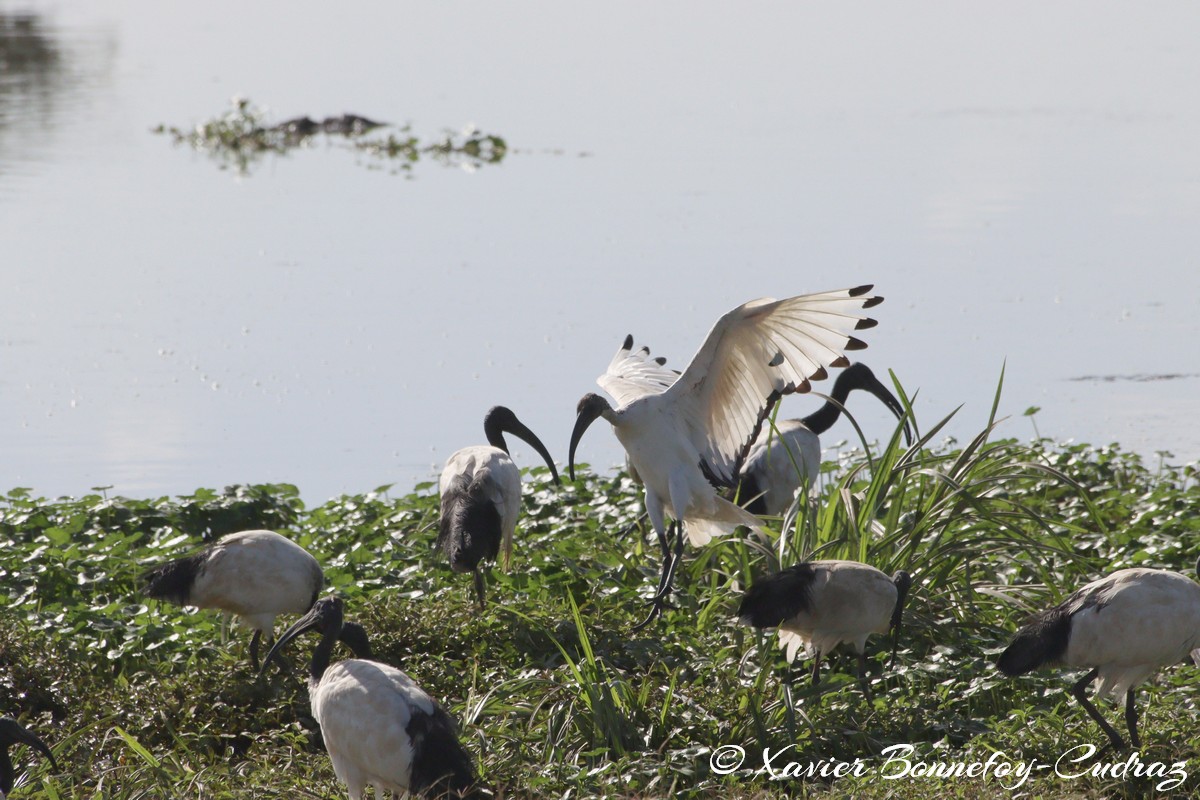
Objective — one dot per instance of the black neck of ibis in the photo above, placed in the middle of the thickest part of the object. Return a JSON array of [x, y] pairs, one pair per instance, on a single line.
[[500, 420], [902, 581], [325, 616], [855, 376]]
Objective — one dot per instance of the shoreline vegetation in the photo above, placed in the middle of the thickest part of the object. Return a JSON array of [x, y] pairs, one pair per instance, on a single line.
[[553, 693]]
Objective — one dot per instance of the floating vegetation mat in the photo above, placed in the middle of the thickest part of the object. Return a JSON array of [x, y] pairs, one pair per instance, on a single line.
[[243, 136]]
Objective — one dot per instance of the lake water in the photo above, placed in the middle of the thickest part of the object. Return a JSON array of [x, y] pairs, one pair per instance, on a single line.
[[1022, 182]]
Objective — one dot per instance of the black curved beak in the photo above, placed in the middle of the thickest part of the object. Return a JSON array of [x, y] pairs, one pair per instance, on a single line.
[[875, 387], [14, 732], [590, 407], [314, 619], [518, 429]]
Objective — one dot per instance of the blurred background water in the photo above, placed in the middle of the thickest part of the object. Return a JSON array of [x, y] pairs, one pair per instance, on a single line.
[[1022, 182]]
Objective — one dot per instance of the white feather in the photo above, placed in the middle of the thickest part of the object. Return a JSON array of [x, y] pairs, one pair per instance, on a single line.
[[1143, 620], [364, 708]]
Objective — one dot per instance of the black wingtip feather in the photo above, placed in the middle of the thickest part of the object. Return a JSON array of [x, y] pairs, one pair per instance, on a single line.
[[779, 597], [865, 323], [856, 344], [628, 342], [840, 362], [871, 302], [858, 291]]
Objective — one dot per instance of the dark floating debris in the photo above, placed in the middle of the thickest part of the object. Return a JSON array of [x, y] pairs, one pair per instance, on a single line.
[[241, 137], [1140, 377]]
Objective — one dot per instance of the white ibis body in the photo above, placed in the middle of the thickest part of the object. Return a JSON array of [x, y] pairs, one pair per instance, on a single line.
[[480, 491], [11, 733], [817, 605], [1126, 627], [380, 728], [685, 433], [783, 459], [255, 575]]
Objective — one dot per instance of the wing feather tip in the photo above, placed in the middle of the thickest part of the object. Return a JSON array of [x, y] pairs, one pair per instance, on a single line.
[[628, 342], [858, 291], [871, 302], [855, 343], [865, 323], [840, 362]]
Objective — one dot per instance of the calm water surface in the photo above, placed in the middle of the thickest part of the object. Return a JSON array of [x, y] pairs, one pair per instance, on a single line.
[[1022, 183]]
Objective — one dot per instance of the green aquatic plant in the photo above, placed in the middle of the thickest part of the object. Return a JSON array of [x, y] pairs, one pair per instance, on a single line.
[[554, 695], [241, 137]]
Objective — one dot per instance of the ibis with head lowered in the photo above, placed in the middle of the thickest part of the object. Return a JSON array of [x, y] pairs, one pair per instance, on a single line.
[[1126, 627], [381, 729], [255, 575], [816, 605]]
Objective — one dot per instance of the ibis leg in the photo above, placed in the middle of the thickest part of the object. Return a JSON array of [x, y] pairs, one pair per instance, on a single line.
[[1131, 720], [662, 596], [254, 640], [816, 669], [479, 589], [1079, 690], [862, 675]]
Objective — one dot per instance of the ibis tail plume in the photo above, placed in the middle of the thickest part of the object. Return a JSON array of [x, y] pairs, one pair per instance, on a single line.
[[816, 605], [688, 434], [380, 728], [1125, 627], [481, 497]]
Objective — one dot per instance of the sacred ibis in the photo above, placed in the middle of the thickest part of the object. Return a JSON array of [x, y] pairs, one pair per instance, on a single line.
[[1126, 627], [686, 434], [481, 497], [819, 604], [380, 728], [255, 575], [788, 455], [13, 732]]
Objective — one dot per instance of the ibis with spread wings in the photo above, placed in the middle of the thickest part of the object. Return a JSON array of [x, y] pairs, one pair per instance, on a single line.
[[687, 434]]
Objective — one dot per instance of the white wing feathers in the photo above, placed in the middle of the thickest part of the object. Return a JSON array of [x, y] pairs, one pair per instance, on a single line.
[[754, 354], [632, 375]]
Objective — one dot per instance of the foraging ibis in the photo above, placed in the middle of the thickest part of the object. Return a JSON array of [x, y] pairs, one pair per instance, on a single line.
[[380, 728], [13, 732], [788, 456], [692, 434], [255, 575], [819, 604], [481, 497], [1126, 627]]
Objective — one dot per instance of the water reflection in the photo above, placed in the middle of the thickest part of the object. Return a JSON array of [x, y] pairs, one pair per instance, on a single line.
[[30, 64], [40, 68]]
